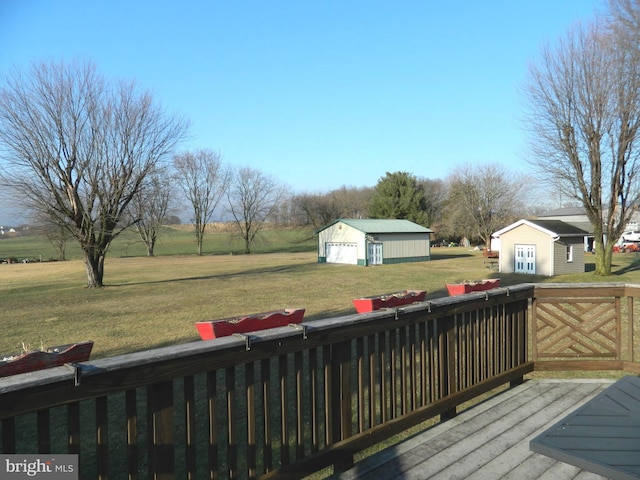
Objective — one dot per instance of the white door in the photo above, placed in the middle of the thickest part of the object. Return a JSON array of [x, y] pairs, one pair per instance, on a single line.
[[341, 253], [375, 254], [525, 259]]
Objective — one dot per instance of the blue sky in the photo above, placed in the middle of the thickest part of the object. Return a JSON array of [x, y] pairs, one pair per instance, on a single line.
[[318, 94]]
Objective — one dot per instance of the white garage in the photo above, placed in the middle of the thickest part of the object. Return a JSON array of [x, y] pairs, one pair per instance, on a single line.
[[373, 242]]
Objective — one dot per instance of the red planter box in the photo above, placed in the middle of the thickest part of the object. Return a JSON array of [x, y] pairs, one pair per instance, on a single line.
[[248, 323], [467, 287], [388, 300], [51, 357]]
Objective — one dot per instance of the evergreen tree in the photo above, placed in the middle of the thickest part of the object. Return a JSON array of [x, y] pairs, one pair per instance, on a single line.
[[399, 195]]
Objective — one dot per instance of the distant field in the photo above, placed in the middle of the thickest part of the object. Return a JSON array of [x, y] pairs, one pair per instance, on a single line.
[[177, 240], [149, 302]]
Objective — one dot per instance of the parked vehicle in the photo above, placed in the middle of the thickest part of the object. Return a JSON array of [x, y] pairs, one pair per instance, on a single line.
[[630, 236]]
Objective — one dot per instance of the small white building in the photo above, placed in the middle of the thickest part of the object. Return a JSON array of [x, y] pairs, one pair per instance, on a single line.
[[541, 247], [373, 242]]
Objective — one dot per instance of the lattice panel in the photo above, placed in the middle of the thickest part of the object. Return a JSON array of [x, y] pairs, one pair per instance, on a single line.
[[585, 328]]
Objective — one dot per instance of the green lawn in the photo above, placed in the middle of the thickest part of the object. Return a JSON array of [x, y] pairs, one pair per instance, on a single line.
[[149, 302]]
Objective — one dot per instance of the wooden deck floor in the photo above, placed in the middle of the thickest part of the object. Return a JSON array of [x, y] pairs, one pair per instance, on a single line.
[[489, 441]]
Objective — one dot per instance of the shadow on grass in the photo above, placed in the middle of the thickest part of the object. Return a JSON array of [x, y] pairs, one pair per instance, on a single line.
[[446, 256], [243, 273], [632, 267]]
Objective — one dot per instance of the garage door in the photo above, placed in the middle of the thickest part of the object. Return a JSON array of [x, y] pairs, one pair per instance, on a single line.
[[341, 253]]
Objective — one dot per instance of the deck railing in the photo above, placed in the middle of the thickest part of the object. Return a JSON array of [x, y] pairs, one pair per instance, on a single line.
[[287, 402]]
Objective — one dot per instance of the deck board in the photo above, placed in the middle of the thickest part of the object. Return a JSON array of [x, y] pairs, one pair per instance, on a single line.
[[490, 440]]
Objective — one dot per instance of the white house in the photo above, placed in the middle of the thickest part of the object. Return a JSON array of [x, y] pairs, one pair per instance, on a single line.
[[373, 242]]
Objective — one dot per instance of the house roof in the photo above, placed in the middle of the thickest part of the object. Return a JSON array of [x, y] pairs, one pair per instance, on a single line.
[[553, 228], [376, 225], [564, 212]]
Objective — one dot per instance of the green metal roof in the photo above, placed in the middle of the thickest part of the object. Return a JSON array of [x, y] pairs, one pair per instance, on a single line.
[[374, 225]]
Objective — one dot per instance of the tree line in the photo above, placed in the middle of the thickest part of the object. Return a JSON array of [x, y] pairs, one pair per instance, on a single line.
[[471, 203]]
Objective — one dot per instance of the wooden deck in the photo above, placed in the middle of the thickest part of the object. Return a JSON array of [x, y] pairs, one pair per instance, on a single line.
[[488, 441]]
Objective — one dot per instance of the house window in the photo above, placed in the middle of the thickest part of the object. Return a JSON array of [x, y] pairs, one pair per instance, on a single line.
[[569, 253]]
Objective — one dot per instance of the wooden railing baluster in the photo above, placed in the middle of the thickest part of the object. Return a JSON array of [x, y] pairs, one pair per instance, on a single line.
[[44, 432], [360, 374], [73, 427], [131, 411], [299, 413], [232, 446], [190, 426], [284, 410], [267, 449], [249, 376], [314, 393], [161, 430], [212, 416]]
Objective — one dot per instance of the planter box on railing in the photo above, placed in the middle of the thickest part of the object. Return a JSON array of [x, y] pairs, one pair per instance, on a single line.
[[40, 359], [388, 300], [211, 329], [475, 286]]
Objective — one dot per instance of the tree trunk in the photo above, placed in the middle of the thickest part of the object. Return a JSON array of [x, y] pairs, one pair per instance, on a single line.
[[94, 264], [604, 256], [487, 242], [199, 238], [150, 247]]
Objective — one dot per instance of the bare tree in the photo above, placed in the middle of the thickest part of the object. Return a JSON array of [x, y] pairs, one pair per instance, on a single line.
[[150, 206], [435, 193], [57, 235], [203, 179], [77, 148], [252, 197], [482, 199], [583, 117], [319, 209]]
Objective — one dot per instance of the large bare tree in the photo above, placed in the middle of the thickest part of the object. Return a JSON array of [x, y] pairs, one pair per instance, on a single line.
[[253, 197], [203, 180], [77, 148], [481, 200], [583, 98]]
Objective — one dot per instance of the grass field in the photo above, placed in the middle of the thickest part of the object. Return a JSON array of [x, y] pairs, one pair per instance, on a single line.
[[180, 239], [150, 302]]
